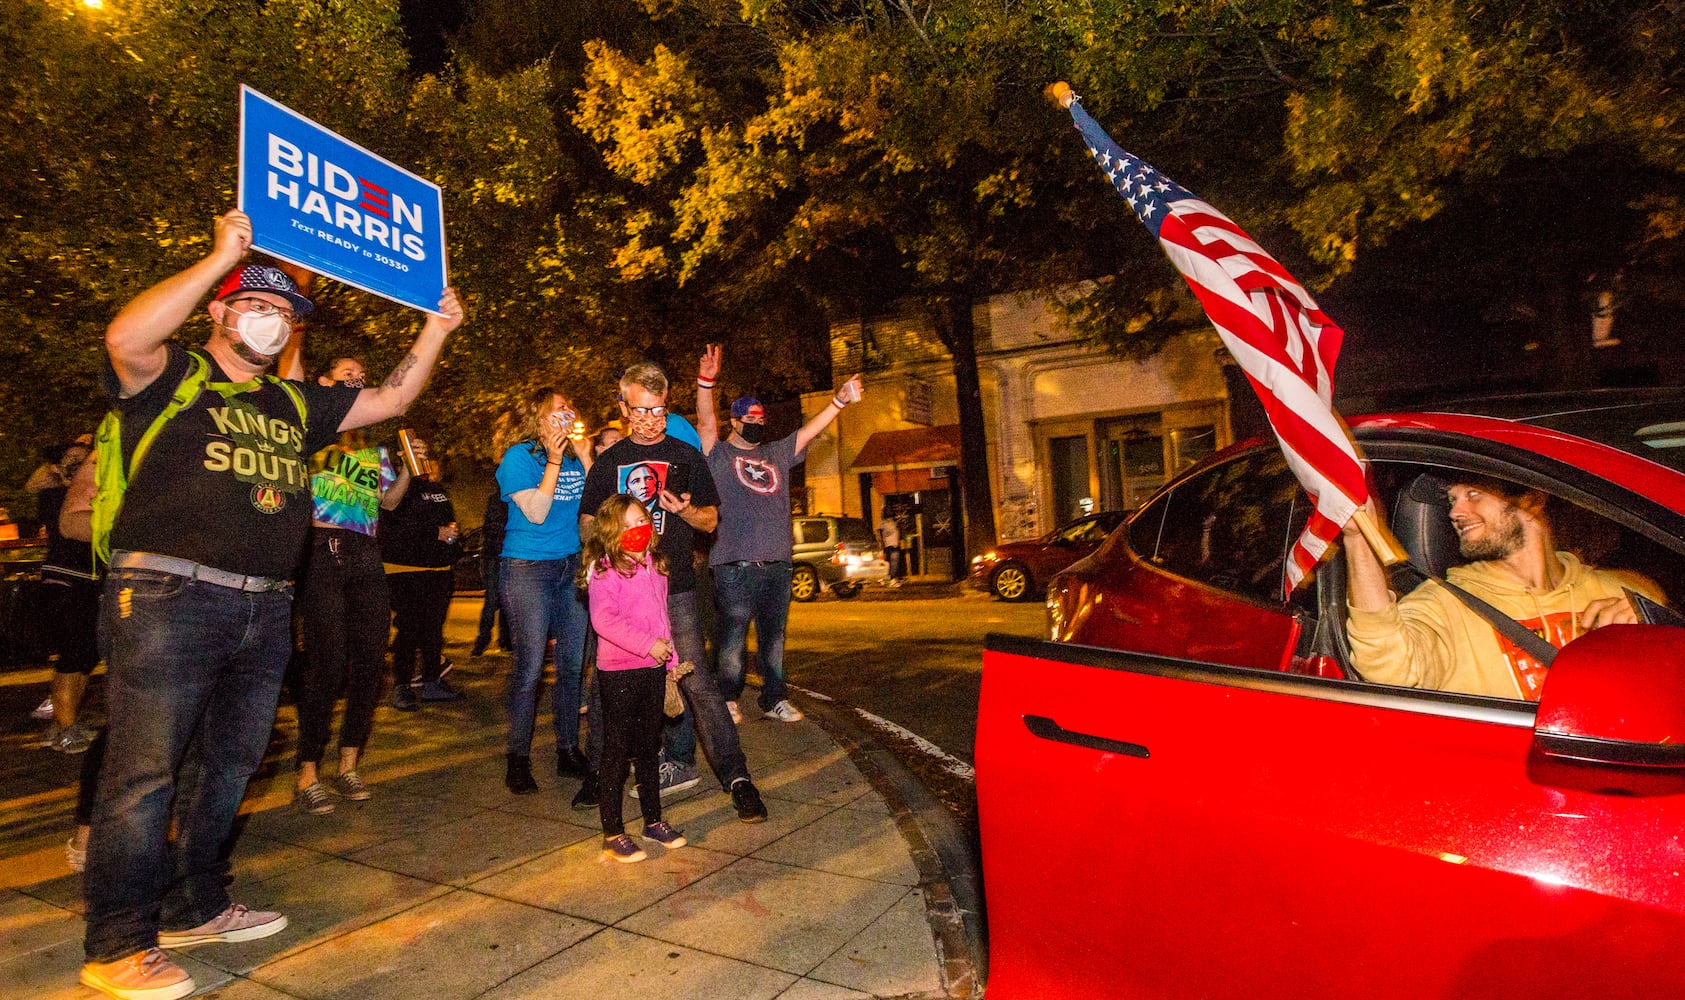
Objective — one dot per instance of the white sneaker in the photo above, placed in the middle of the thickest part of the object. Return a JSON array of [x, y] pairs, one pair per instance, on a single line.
[[44, 710], [786, 712], [736, 716]]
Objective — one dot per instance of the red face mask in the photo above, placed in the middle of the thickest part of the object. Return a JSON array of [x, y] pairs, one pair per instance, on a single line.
[[636, 540]]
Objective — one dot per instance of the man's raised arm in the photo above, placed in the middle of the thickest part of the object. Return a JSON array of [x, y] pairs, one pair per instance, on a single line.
[[851, 392], [707, 421], [393, 396], [135, 339]]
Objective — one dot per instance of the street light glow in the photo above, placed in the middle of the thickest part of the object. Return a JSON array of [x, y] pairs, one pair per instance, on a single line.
[[94, 4]]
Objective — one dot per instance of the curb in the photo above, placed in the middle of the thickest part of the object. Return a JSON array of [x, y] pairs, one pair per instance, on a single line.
[[949, 873]]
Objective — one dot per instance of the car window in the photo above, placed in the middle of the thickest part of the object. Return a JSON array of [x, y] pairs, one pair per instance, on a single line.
[[1086, 530], [812, 532], [1144, 530], [1228, 526], [851, 529]]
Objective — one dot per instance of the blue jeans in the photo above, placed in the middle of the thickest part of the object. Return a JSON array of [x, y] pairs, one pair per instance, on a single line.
[[757, 592], [541, 603], [705, 712], [194, 672]]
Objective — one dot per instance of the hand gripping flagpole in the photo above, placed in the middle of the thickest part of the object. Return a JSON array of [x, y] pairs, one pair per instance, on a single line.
[[1282, 340]]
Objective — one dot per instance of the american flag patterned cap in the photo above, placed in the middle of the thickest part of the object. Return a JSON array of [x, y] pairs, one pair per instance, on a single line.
[[264, 278]]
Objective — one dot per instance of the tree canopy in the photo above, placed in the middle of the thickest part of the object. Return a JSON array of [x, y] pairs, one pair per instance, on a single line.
[[635, 178]]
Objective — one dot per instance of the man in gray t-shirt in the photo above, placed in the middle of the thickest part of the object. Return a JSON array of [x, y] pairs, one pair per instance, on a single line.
[[752, 544]]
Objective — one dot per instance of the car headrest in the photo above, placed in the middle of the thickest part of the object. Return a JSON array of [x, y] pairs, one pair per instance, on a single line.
[[1421, 520]]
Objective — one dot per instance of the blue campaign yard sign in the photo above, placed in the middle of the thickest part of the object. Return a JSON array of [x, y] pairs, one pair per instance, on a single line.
[[323, 202]]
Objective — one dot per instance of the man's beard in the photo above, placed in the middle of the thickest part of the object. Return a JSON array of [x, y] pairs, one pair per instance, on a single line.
[[1499, 540], [245, 353]]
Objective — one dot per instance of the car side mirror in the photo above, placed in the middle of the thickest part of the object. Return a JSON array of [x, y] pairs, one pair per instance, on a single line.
[[1616, 697]]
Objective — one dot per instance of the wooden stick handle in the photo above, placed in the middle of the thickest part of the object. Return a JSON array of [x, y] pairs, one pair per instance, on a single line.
[[1386, 547]]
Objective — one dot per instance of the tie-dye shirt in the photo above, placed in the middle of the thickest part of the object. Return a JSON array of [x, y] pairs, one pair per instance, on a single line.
[[347, 485]]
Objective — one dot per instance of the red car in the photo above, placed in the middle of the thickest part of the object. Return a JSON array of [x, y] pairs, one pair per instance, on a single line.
[[1016, 571], [1189, 794]]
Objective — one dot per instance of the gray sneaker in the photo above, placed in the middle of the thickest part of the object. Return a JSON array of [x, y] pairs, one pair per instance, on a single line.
[[314, 799], [675, 777], [349, 785]]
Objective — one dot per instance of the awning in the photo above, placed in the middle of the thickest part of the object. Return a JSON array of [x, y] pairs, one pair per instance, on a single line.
[[915, 448], [906, 461]]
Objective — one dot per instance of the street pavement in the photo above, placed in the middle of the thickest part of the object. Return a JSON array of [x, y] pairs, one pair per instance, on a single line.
[[444, 886]]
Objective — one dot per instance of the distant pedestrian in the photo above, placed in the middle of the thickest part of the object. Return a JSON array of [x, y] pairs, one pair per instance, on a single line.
[[542, 477], [420, 543], [754, 546], [492, 526], [345, 614], [626, 579], [889, 533], [71, 584]]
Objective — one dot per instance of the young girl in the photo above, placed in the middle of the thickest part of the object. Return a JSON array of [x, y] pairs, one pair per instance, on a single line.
[[627, 585]]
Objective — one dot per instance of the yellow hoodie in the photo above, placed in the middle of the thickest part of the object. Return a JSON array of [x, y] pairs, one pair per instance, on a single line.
[[1430, 639]]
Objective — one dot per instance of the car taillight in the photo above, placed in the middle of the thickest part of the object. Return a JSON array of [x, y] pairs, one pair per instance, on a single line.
[[839, 556]]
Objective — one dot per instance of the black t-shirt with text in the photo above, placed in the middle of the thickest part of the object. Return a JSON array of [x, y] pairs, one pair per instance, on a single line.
[[226, 482], [643, 470]]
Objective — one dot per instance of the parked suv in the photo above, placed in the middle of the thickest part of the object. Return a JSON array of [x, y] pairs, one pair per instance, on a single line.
[[838, 554]]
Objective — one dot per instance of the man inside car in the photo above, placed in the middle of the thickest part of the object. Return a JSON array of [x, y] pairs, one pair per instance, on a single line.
[[1432, 639]]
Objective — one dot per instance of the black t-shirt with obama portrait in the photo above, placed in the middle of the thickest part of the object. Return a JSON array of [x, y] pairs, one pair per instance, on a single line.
[[643, 470], [226, 482]]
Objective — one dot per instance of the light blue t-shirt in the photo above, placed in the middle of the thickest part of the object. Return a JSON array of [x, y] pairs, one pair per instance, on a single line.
[[680, 428], [558, 537]]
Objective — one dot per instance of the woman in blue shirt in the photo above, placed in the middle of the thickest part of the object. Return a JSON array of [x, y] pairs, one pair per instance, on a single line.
[[542, 477]]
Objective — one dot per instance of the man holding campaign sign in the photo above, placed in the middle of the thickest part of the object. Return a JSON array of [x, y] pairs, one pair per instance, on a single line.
[[317, 199], [203, 507]]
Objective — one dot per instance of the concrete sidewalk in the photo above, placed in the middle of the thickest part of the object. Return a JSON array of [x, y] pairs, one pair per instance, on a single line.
[[445, 886]]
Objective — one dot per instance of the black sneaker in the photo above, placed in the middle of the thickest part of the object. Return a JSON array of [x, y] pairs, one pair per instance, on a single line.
[[518, 777], [747, 799], [586, 797], [439, 690], [404, 699], [479, 649]]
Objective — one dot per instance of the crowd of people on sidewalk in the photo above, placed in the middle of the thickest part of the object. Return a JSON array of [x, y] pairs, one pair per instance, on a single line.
[[223, 484]]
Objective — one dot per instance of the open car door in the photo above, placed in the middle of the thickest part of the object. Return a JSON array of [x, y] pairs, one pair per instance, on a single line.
[[1159, 828]]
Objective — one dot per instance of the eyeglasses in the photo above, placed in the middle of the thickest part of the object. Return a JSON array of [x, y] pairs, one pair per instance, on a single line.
[[647, 411], [263, 307]]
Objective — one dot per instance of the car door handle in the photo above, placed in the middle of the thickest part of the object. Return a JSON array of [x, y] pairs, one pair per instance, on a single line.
[[1047, 729]]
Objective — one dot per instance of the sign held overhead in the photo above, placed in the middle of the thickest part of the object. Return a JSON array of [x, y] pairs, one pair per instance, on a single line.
[[323, 202]]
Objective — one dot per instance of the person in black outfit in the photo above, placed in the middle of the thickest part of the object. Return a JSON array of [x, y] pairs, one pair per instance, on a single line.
[[72, 590], [491, 554], [420, 544]]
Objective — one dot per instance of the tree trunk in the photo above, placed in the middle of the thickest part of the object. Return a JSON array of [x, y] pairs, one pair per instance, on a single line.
[[954, 324]]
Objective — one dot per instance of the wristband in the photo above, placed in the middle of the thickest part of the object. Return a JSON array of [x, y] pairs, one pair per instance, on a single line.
[[704, 383], [837, 402], [552, 462]]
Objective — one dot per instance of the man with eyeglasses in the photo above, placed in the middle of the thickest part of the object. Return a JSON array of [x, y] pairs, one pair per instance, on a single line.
[[199, 595], [686, 503]]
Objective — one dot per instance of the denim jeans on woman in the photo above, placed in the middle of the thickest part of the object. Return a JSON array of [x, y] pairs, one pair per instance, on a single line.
[[541, 603], [759, 593], [193, 675]]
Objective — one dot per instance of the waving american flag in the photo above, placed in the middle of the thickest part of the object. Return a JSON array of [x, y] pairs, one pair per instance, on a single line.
[[1284, 343]]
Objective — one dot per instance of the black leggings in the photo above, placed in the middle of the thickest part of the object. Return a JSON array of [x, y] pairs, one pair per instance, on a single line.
[[345, 623], [421, 601], [633, 712]]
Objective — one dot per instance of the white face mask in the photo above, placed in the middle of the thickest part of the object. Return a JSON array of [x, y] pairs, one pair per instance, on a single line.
[[264, 334]]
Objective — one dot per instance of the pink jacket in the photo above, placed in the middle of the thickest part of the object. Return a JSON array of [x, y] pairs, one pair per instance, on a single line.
[[629, 614]]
